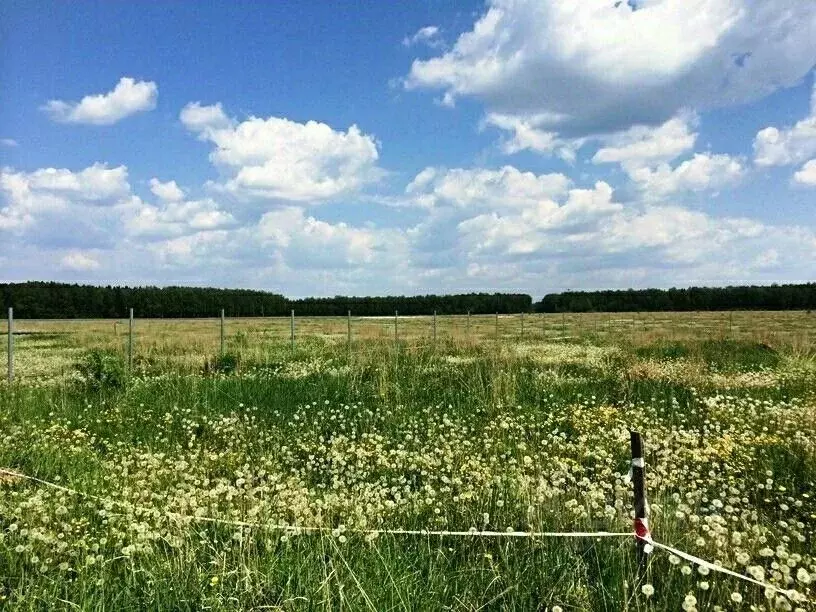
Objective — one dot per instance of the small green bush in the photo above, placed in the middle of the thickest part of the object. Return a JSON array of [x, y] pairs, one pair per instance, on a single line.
[[102, 369], [226, 363]]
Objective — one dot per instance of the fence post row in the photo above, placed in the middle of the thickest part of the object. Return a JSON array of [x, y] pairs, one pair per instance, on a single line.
[[641, 522], [11, 345], [222, 332], [130, 341]]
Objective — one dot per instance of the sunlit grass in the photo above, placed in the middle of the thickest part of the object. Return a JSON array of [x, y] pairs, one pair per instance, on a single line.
[[528, 433]]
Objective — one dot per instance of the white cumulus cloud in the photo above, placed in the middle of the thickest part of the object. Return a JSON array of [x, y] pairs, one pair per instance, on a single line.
[[168, 191], [775, 147], [596, 66], [127, 98], [303, 241], [807, 175], [700, 173], [502, 188], [282, 159], [642, 145]]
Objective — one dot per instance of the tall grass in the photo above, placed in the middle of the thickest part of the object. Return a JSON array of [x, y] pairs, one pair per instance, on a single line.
[[527, 435]]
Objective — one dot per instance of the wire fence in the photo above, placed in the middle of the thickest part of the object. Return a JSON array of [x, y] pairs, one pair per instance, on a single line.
[[134, 337]]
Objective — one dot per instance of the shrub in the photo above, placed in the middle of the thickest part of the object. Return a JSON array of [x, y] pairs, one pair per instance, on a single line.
[[226, 363], [102, 369]]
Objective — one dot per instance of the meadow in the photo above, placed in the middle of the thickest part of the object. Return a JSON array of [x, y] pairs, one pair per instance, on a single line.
[[200, 474]]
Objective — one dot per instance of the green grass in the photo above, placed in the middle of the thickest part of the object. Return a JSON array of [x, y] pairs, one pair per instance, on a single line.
[[526, 435]]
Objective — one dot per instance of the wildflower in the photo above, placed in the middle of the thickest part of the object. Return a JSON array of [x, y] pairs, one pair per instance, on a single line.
[[689, 603], [803, 576], [647, 590], [213, 580], [736, 597], [704, 586]]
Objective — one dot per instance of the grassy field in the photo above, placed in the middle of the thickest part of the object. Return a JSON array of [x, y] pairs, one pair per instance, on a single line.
[[490, 426]]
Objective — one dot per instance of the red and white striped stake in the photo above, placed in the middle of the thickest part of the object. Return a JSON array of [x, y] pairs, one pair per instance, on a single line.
[[641, 523]]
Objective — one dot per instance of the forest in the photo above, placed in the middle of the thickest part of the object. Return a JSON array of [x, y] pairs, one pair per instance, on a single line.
[[51, 300], [771, 297]]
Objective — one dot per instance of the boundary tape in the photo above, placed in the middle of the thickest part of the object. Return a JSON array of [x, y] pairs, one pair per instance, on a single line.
[[789, 593]]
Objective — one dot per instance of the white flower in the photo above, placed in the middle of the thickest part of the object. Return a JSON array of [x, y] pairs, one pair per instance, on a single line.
[[736, 597], [647, 590]]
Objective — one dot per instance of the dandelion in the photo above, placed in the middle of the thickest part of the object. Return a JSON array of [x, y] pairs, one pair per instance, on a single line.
[[803, 576], [647, 590], [736, 597]]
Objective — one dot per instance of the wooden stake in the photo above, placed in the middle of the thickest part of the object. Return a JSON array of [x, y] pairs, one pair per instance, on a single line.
[[639, 489]]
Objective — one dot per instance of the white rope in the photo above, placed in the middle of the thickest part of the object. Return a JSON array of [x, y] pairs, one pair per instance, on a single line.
[[315, 529], [418, 532], [719, 568]]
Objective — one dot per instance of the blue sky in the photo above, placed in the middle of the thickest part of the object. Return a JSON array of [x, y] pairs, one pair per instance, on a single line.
[[370, 148]]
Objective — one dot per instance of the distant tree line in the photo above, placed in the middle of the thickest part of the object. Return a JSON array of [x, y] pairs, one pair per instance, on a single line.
[[48, 300], [773, 297]]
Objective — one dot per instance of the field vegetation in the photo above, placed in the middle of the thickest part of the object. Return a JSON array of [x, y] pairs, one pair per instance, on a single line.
[[201, 472]]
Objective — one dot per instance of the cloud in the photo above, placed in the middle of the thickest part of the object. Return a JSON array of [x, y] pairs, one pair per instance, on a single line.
[[127, 98], [204, 119], [642, 145], [276, 158], [169, 191], [8, 142], [775, 147], [480, 187], [25, 195], [700, 173], [176, 218], [807, 175], [577, 69], [429, 35], [303, 241], [79, 262]]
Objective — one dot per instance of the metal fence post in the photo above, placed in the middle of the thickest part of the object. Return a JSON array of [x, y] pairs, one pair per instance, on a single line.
[[130, 342], [222, 332], [11, 345]]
